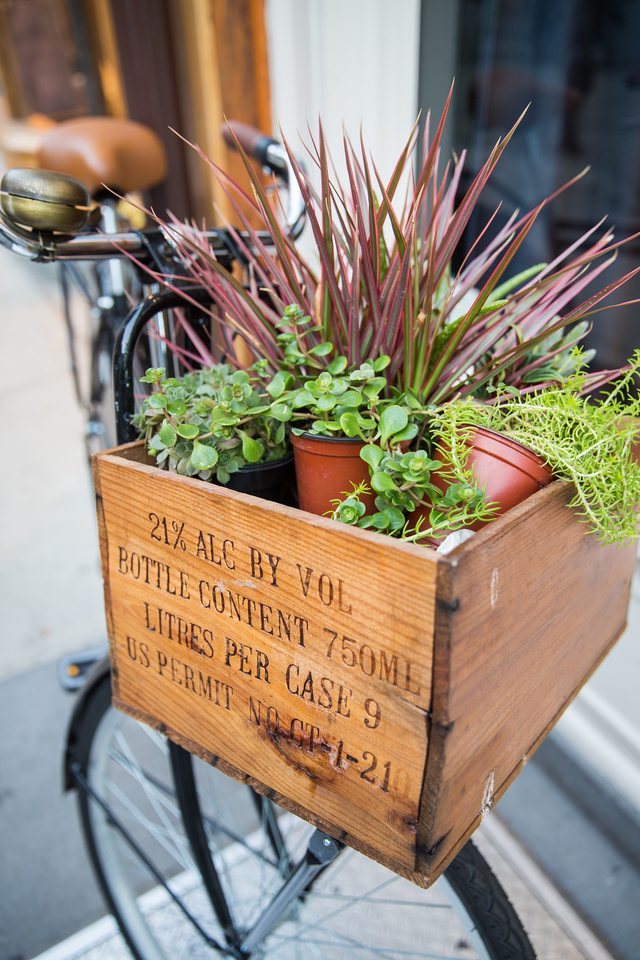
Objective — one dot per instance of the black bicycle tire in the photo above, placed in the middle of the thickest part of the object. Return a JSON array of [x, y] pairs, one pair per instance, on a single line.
[[489, 906], [187, 796], [96, 706], [471, 878]]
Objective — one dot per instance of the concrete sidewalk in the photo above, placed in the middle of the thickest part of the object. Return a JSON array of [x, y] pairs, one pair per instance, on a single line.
[[51, 588], [555, 931], [50, 604]]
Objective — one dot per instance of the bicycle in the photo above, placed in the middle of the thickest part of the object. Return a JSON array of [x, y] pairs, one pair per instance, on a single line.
[[193, 863]]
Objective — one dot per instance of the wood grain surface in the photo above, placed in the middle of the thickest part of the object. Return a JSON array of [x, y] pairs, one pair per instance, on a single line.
[[524, 615], [297, 649], [384, 692]]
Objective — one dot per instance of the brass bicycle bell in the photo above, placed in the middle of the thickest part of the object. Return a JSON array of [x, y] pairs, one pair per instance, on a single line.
[[44, 200]]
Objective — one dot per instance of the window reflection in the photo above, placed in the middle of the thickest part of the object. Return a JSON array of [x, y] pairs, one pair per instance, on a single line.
[[577, 64]]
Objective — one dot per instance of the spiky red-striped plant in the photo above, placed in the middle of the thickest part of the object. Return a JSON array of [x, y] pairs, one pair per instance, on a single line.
[[386, 286]]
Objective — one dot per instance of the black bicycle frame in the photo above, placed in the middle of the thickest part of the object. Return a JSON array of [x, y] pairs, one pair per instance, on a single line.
[[124, 352]]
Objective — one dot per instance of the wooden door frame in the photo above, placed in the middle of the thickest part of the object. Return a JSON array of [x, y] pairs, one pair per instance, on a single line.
[[218, 53]]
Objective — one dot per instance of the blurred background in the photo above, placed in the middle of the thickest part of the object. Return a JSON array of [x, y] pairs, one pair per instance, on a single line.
[[279, 64], [184, 65]]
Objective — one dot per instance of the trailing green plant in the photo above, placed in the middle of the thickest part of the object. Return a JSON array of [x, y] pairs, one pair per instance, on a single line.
[[211, 422], [460, 506], [385, 285], [584, 440]]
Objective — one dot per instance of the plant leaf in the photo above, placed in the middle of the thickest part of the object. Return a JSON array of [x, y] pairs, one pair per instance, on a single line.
[[203, 457], [372, 455], [251, 450], [281, 412], [187, 430], [326, 403], [382, 483], [338, 365], [350, 425], [322, 350], [393, 419], [167, 434]]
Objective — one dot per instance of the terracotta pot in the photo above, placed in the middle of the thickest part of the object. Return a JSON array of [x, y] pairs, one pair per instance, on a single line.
[[510, 471], [326, 467]]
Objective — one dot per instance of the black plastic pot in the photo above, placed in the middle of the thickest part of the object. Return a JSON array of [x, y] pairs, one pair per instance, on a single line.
[[272, 480]]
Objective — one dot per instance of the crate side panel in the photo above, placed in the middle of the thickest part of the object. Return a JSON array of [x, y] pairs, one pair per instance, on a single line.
[[297, 651], [525, 615]]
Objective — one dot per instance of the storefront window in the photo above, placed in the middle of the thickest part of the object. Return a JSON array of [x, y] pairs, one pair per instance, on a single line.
[[576, 63]]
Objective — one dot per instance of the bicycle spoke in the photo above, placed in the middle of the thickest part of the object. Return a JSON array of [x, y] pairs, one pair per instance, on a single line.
[[157, 802], [346, 906], [216, 825], [380, 902], [113, 821], [153, 829], [355, 947], [162, 792]]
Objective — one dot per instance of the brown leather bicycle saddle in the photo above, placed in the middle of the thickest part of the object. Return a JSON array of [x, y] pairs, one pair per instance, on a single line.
[[120, 154]]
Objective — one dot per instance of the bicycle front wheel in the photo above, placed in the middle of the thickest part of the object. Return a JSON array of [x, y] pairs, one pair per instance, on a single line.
[[186, 876]]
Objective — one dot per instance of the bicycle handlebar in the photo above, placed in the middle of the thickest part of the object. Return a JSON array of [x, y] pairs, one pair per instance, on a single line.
[[253, 141], [86, 246], [274, 157], [41, 245]]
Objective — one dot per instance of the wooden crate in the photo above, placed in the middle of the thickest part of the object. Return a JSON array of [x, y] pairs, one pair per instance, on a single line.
[[384, 692]]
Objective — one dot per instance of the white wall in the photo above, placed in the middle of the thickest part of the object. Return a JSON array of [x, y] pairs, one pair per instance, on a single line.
[[347, 61]]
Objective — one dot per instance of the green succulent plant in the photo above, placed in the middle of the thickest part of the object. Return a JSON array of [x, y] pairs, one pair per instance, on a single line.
[[344, 403], [460, 506], [402, 480], [337, 400], [211, 422]]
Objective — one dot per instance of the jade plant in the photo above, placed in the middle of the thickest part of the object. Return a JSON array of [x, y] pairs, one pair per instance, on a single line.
[[210, 423]]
